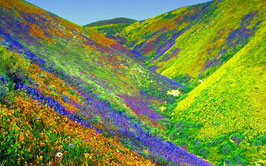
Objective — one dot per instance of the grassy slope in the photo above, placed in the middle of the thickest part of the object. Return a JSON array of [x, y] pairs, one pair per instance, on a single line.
[[215, 39], [119, 20], [229, 107], [155, 36]]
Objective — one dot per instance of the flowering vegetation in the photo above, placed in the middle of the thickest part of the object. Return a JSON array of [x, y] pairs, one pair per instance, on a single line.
[[69, 95], [35, 134]]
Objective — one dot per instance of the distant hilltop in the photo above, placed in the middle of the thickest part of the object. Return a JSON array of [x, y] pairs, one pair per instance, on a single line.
[[119, 20]]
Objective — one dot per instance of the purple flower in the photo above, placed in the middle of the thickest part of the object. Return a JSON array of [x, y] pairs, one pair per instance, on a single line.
[[70, 145]]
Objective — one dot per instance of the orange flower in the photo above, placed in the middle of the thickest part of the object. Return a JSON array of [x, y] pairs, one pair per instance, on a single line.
[[42, 144], [21, 138]]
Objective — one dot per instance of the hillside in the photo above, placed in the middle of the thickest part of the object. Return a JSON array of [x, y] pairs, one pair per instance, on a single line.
[[230, 108], [217, 51], [119, 20], [41, 121], [190, 43], [183, 88], [60, 80]]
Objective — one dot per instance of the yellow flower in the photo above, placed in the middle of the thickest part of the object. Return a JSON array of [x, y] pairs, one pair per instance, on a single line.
[[86, 155]]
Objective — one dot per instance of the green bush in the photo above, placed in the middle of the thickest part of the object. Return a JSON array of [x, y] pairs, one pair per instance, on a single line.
[[4, 91], [12, 64]]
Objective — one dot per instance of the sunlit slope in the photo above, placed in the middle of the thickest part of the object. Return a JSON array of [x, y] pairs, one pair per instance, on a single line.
[[228, 110], [154, 36], [215, 39]]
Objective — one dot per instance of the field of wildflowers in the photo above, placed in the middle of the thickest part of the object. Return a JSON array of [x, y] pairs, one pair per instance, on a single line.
[[183, 88]]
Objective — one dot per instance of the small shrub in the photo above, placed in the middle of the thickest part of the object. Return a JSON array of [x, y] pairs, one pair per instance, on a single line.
[[12, 64], [260, 140], [237, 138], [226, 148], [4, 91]]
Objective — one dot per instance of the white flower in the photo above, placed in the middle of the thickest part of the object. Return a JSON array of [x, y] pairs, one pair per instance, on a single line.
[[175, 93], [59, 155]]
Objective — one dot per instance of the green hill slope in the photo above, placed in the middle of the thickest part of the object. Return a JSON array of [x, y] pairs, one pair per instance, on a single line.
[[229, 109], [215, 39]]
